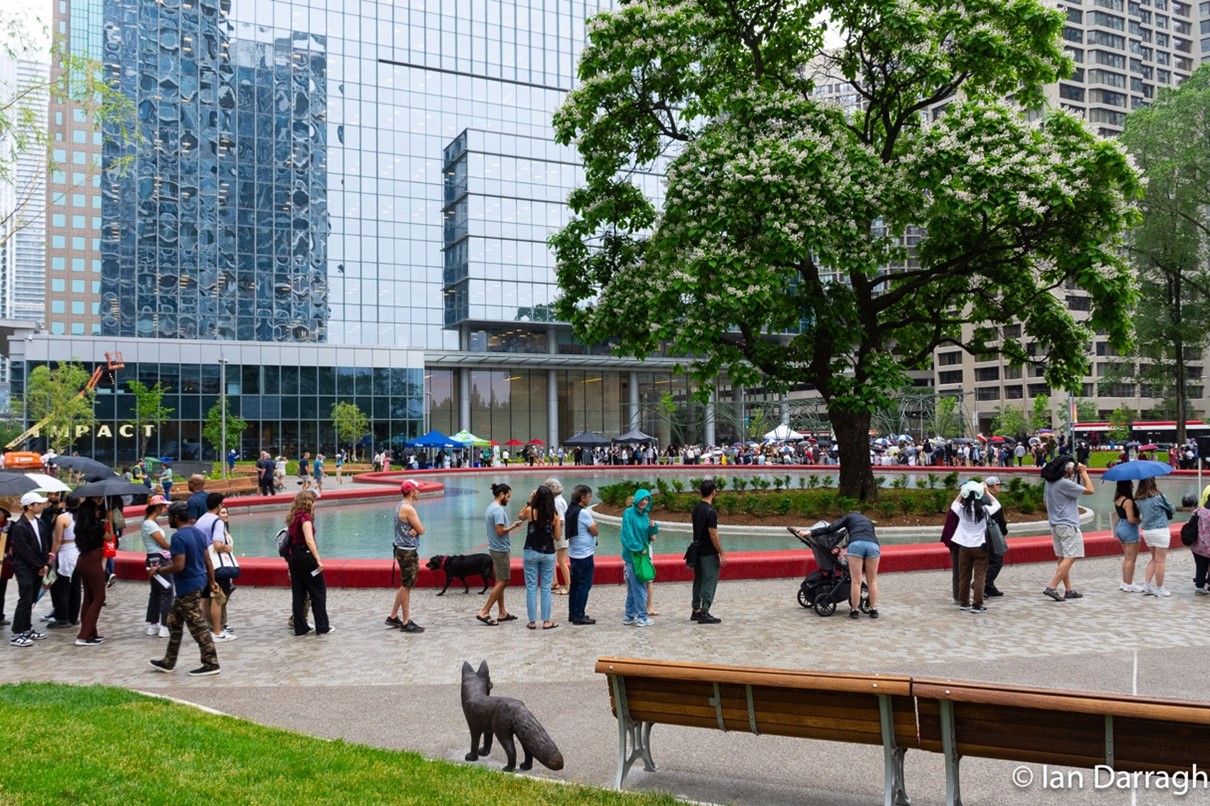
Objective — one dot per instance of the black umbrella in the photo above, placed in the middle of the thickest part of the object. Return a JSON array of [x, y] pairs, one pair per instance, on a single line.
[[115, 485], [16, 484], [586, 439], [90, 469]]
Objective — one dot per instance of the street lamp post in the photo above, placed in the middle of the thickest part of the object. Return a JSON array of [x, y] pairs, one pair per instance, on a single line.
[[222, 401]]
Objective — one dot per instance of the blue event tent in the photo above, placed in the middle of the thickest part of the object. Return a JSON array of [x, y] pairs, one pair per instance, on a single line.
[[434, 439]]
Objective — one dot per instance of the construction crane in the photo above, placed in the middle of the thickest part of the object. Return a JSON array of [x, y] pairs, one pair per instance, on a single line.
[[113, 361]]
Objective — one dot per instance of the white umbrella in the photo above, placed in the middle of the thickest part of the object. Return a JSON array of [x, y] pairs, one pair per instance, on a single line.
[[47, 483]]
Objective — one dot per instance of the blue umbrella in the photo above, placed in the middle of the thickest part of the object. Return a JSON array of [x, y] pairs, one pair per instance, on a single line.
[[1138, 469]]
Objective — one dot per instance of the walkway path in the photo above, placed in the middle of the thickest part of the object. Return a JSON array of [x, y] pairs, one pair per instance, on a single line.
[[370, 684]]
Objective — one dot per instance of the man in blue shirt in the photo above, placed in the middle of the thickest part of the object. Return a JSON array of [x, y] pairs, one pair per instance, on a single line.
[[197, 496], [192, 572]]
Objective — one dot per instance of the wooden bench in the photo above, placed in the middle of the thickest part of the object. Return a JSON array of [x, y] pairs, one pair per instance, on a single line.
[[1118, 732], [857, 708], [1072, 728], [239, 484]]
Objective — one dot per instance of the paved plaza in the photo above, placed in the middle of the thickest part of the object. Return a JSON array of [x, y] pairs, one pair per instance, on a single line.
[[366, 683]]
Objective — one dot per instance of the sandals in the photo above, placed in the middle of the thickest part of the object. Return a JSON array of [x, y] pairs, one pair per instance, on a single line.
[[488, 620], [531, 626], [560, 591], [549, 625], [508, 617]]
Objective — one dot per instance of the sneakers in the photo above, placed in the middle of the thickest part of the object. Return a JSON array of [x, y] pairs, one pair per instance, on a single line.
[[34, 635], [225, 635], [90, 641], [112, 579], [153, 628], [163, 630], [1202, 591], [1161, 591], [20, 640], [412, 626], [629, 620], [1054, 594], [707, 618], [1073, 595], [1149, 590], [873, 614], [57, 624], [583, 621], [1130, 587], [978, 611], [992, 592], [695, 615], [854, 614], [964, 608], [393, 621], [160, 666], [205, 670], [642, 621]]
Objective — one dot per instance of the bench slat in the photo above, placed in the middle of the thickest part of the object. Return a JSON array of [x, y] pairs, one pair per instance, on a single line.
[[1116, 705], [746, 675]]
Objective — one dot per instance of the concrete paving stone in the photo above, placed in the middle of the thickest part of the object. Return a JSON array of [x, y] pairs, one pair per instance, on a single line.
[[368, 683]]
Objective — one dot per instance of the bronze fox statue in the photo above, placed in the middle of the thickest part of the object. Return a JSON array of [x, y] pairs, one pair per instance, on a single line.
[[504, 718]]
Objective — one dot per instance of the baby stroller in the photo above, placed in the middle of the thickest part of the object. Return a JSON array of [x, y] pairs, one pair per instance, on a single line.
[[825, 587]]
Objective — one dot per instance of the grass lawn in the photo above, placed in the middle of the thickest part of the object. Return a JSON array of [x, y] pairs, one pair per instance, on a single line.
[[95, 744]]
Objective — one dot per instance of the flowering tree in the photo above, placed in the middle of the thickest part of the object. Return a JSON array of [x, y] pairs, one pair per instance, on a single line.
[[774, 247]]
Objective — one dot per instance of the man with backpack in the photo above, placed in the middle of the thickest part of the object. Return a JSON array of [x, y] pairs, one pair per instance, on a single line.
[[192, 571], [1062, 494]]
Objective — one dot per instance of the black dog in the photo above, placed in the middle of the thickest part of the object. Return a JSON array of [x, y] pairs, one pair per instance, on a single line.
[[461, 566]]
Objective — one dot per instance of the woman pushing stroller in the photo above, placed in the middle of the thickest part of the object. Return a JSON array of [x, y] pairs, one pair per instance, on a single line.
[[863, 553]]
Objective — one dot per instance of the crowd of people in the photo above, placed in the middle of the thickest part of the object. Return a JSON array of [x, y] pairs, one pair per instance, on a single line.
[[61, 545]]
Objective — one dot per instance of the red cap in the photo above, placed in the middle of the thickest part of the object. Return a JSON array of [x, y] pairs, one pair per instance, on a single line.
[[408, 487]]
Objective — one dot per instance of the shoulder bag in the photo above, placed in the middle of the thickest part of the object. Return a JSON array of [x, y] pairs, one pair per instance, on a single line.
[[996, 542]]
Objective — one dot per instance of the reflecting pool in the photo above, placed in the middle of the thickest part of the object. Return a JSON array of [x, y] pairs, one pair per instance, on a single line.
[[454, 523]]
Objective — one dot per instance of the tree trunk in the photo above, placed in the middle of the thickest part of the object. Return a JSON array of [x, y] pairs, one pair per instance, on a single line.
[[1180, 391], [853, 435]]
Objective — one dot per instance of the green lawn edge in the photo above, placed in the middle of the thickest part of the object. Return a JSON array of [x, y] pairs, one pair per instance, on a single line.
[[101, 745]]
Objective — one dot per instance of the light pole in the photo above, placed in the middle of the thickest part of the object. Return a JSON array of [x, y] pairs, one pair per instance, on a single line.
[[222, 401]]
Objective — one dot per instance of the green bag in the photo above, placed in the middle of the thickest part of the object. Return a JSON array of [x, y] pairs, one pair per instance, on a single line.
[[644, 571]]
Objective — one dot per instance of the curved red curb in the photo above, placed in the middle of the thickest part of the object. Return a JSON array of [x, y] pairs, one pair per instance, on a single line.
[[383, 573]]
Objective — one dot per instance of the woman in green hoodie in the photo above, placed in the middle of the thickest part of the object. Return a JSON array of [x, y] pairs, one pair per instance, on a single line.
[[637, 533]]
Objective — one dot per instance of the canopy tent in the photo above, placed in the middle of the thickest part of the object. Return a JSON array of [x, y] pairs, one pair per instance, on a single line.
[[586, 439], [635, 436], [470, 440], [434, 439], [783, 433]]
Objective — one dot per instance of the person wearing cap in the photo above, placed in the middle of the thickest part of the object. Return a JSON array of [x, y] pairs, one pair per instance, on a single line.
[[408, 530], [994, 561], [970, 537], [155, 543], [192, 571], [30, 543]]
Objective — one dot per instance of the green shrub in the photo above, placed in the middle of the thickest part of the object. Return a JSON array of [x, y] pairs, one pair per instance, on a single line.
[[932, 480], [951, 480]]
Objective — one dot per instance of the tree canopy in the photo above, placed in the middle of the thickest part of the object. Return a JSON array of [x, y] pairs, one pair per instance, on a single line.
[[59, 399], [1170, 141], [212, 429], [739, 212], [350, 422], [149, 409]]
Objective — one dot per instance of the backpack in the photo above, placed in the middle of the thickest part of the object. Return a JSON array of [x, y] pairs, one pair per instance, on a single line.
[[283, 544], [1189, 531], [1052, 471]]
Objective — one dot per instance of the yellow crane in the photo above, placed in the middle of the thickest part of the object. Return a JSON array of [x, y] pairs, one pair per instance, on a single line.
[[113, 361]]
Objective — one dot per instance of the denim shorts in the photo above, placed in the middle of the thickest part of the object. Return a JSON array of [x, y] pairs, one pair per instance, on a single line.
[[865, 549], [1127, 532]]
